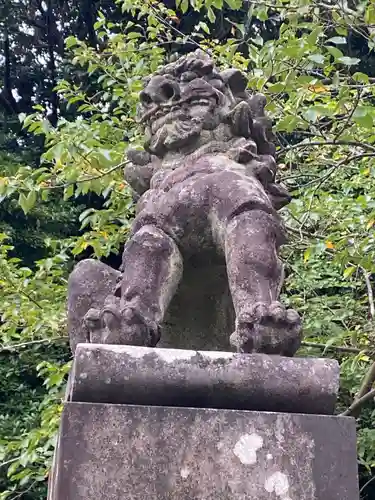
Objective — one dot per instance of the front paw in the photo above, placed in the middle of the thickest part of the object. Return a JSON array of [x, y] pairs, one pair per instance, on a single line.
[[127, 326], [269, 329], [92, 323]]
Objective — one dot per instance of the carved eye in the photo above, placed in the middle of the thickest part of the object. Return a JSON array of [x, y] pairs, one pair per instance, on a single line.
[[188, 76], [145, 98], [159, 90], [169, 91]]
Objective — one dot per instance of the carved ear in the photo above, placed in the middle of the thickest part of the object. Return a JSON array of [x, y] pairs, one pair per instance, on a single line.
[[241, 120], [139, 156], [235, 79], [257, 103]]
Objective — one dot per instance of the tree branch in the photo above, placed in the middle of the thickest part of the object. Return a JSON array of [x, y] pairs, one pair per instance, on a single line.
[[352, 350], [304, 233], [366, 484], [3, 464], [88, 179], [13, 347], [370, 293], [345, 161], [325, 143], [350, 116], [177, 31], [22, 292], [367, 383], [51, 65], [358, 404]]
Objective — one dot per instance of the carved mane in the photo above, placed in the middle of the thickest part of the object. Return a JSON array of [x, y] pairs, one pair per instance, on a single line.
[[238, 126]]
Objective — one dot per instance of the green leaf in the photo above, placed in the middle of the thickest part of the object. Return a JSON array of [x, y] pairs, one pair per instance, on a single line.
[[45, 194], [334, 51], [258, 40], [288, 123], [204, 27], [133, 35], [317, 58], [234, 4], [307, 254], [365, 121], [338, 40], [184, 6], [311, 114], [211, 15], [31, 199], [361, 77], [12, 468], [313, 36], [68, 192], [70, 42], [46, 126], [349, 271], [262, 14], [342, 30], [27, 202], [276, 87], [349, 61], [370, 14], [306, 80]]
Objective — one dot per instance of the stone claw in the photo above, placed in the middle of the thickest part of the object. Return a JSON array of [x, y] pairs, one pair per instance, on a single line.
[[269, 329], [93, 325], [115, 325]]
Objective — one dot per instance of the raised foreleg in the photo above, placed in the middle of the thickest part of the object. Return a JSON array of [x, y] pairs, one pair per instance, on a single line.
[[255, 276], [152, 269]]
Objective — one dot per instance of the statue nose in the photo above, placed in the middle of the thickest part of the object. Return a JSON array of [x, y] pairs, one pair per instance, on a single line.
[[160, 90]]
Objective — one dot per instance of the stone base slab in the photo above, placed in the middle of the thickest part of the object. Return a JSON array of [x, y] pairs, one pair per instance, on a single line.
[[117, 452], [119, 374]]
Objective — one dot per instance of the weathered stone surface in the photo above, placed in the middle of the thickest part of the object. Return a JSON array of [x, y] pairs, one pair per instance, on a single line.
[[114, 452], [201, 314], [207, 192], [89, 285], [174, 377]]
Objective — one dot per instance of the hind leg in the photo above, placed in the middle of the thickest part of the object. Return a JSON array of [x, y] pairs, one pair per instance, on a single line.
[[255, 276]]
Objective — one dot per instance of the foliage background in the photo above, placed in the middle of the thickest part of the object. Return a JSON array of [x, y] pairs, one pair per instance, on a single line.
[[71, 73]]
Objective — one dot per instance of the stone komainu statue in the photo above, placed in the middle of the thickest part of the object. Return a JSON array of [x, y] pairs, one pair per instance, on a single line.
[[202, 260]]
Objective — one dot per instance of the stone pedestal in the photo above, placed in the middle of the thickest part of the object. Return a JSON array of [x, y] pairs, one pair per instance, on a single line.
[[173, 449], [113, 452]]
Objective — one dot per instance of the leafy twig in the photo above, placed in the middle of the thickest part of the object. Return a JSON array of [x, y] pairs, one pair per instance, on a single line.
[[88, 179], [350, 116], [325, 177], [325, 143], [173, 28], [304, 233], [3, 464], [22, 292], [352, 350], [343, 162], [24, 492], [13, 347]]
